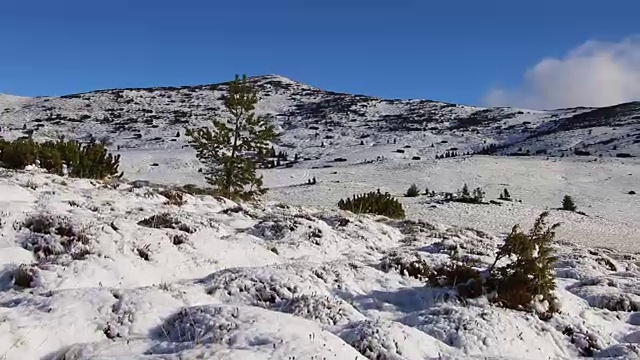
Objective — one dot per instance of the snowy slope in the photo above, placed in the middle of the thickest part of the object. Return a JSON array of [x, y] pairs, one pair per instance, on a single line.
[[9, 102], [272, 281], [311, 117]]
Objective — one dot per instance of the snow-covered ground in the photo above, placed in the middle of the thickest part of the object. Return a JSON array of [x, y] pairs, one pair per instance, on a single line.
[[274, 281], [600, 188]]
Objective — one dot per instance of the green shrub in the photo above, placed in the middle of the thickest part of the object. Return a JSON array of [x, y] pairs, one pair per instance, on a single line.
[[530, 273], [412, 191], [84, 161], [374, 202], [526, 278], [568, 204]]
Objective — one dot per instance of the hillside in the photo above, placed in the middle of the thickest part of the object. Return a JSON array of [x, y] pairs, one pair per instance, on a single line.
[[316, 122]]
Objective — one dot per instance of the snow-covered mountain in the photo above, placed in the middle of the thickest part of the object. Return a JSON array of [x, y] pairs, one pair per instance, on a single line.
[[113, 270], [317, 122]]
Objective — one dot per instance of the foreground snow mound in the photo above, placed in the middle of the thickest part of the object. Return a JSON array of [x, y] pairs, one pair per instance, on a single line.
[[379, 339], [91, 270], [224, 332], [620, 292], [485, 330]]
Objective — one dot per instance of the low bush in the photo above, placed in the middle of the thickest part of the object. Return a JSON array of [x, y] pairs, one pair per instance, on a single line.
[[173, 197], [466, 280], [526, 282], [53, 237], [61, 157], [406, 264], [24, 275], [165, 221], [374, 202], [144, 252], [179, 239], [412, 191], [192, 189]]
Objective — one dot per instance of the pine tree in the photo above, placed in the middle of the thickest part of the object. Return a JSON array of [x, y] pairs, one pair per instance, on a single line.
[[531, 272], [464, 193], [505, 195], [568, 204], [224, 148]]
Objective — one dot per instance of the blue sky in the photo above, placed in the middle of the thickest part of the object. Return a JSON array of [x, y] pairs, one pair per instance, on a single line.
[[453, 50]]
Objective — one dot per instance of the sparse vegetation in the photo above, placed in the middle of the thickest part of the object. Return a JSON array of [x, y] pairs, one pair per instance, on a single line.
[[165, 221], [465, 196], [173, 197], [54, 237], [407, 265], [192, 189], [466, 280], [374, 202]]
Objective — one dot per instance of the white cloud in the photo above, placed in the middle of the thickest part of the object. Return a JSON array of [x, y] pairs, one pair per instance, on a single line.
[[594, 74]]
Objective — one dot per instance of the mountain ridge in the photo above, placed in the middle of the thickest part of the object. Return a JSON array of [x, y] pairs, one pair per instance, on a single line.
[[311, 117]]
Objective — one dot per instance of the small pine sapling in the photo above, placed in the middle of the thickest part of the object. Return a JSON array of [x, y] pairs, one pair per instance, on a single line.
[[412, 191], [227, 148], [568, 204], [505, 195]]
